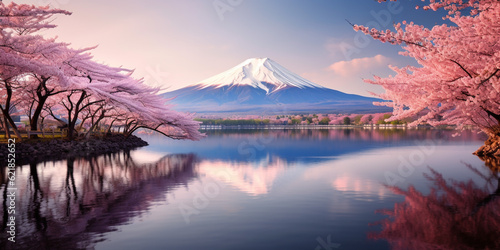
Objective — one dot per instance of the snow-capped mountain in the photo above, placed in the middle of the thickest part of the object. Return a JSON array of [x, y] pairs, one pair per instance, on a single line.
[[262, 73], [262, 85]]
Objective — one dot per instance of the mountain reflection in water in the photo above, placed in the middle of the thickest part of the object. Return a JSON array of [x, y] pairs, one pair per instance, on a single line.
[[270, 185]]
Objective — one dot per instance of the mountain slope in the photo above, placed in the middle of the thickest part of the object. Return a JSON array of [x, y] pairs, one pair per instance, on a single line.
[[260, 85], [262, 73]]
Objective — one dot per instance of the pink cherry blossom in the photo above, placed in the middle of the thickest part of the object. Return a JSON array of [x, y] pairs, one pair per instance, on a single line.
[[457, 80]]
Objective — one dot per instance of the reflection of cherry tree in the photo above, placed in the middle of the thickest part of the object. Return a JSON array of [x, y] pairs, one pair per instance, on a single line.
[[352, 134], [60, 206], [455, 215]]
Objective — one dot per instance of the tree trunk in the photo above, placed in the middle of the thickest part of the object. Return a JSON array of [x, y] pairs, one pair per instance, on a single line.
[[9, 121], [73, 118], [36, 115], [71, 131], [110, 126], [6, 127], [96, 123], [5, 111]]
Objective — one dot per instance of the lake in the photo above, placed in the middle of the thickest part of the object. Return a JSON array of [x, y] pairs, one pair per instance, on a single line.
[[263, 189]]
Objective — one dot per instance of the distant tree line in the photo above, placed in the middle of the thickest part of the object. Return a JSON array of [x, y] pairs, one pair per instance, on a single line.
[[229, 122], [305, 119]]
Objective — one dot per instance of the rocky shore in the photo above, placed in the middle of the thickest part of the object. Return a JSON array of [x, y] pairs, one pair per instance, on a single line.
[[39, 151], [490, 148]]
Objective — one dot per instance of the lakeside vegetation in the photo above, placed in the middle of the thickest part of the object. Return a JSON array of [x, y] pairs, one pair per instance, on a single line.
[[305, 119]]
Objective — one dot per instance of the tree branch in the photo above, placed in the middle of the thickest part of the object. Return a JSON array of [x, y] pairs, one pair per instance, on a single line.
[[487, 79], [461, 67]]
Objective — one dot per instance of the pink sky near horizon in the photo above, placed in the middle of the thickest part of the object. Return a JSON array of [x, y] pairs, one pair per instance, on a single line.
[[173, 44]]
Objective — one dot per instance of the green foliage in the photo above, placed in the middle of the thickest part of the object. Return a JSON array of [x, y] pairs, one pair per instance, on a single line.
[[357, 119], [324, 121], [296, 121], [347, 120], [387, 116]]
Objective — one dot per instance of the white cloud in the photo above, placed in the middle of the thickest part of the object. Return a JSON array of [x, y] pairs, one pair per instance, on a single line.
[[359, 65], [347, 76]]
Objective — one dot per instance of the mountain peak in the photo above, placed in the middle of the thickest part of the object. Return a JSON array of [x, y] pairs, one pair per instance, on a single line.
[[262, 73], [257, 60], [261, 85]]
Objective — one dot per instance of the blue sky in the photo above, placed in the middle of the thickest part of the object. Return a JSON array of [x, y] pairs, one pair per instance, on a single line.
[[178, 43]]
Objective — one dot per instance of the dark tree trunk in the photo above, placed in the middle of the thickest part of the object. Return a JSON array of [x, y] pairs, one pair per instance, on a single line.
[[43, 93], [71, 131], [73, 118], [36, 114], [8, 121], [5, 111], [6, 127]]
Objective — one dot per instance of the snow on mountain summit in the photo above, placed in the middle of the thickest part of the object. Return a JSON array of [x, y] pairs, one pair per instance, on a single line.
[[262, 73], [260, 85]]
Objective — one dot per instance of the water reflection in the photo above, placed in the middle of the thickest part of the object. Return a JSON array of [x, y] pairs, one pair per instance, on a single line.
[[359, 186], [273, 185], [65, 204], [454, 215], [356, 134], [253, 178], [303, 145]]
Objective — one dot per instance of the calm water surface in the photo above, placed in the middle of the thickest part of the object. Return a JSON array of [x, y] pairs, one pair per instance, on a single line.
[[253, 189]]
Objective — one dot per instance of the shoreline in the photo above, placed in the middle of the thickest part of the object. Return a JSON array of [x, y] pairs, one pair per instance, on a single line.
[[57, 149], [273, 126]]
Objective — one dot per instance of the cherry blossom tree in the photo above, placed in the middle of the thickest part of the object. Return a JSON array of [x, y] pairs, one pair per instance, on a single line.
[[336, 120], [21, 51], [366, 119], [457, 80], [36, 72]]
